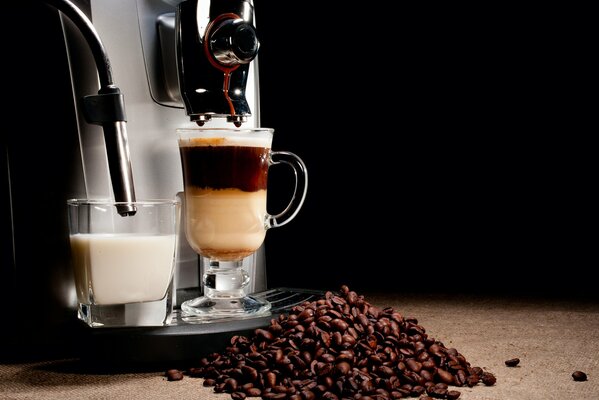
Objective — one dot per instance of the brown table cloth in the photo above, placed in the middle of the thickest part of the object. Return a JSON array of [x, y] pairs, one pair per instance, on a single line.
[[552, 338]]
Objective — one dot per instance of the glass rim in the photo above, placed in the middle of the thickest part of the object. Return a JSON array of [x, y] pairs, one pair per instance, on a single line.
[[222, 130], [109, 202]]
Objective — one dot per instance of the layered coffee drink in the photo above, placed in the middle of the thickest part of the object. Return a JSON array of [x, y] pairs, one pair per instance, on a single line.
[[225, 194]]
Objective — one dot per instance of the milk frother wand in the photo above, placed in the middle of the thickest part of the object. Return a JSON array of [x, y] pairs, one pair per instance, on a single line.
[[107, 108]]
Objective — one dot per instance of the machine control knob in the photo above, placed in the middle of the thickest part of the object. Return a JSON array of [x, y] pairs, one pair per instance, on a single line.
[[234, 42]]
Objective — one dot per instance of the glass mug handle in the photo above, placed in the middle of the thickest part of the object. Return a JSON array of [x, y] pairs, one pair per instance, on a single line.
[[299, 191]]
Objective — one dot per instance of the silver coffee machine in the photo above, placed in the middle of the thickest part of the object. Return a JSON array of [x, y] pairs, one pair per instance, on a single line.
[[138, 70]]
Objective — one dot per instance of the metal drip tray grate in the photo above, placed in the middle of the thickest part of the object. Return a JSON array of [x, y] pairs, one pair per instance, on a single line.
[[182, 343]]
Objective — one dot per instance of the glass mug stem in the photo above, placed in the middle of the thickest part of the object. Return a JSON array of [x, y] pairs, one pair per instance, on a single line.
[[222, 280]]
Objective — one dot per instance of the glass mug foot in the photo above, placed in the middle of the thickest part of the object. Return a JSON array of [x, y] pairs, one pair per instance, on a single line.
[[209, 308]]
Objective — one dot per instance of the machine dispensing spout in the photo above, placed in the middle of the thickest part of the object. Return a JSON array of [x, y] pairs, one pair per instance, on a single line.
[[107, 109], [215, 42]]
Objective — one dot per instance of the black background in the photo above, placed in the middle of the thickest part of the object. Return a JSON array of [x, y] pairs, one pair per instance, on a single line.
[[439, 154], [441, 151]]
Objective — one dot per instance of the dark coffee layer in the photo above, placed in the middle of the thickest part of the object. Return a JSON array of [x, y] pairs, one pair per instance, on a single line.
[[225, 167]]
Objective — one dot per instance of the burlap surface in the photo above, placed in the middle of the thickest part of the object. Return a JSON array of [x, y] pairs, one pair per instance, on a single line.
[[552, 339]]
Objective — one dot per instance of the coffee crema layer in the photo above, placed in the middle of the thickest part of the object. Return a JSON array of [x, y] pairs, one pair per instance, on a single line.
[[225, 224], [218, 163]]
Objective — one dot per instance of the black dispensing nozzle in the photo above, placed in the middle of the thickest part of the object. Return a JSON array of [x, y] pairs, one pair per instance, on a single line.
[[215, 43], [107, 109]]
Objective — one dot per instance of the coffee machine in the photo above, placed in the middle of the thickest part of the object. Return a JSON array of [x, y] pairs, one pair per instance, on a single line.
[[176, 63]]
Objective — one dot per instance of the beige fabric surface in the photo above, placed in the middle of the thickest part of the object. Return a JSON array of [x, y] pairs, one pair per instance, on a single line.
[[551, 338]]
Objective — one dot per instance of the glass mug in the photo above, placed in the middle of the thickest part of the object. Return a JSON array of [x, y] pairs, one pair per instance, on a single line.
[[225, 183]]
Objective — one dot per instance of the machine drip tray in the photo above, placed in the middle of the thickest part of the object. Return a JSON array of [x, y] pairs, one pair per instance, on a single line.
[[181, 344]]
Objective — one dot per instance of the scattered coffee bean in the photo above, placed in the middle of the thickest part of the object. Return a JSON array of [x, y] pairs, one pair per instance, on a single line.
[[488, 379], [579, 376], [174, 375], [339, 347], [512, 362], [453, 394]]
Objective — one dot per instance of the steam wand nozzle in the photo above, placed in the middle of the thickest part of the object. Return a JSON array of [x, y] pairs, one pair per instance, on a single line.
[[107, 108]]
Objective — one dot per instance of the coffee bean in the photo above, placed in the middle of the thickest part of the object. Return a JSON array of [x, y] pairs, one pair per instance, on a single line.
[[238, 395], [445, 376], [342, 368], [488, 379], [512, 362], [414, 365], [417, 390], [174, 375], [438, 393], [209, 382], [230, 385], [339, 325], [453, 394], [472, 380], [579, 376], [264, 334]]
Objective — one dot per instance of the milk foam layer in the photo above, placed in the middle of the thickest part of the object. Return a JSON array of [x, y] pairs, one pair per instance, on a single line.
[[242, 141], [225, 224], [122, 268]]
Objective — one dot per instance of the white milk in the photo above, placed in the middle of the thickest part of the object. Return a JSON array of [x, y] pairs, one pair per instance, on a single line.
[[122, 268]]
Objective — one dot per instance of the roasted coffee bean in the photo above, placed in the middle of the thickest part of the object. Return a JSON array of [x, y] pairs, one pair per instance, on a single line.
[[418, 390], [274, 396], [414, 365], [579, 376], [342, 368], [438, 393], [426, 375], [446, 377], [174, 375], [230, 385], [238, 395], [195, 372], [453, 394], [339, 325], [488, 379], [472, 380], [327, 358], [264, 334], [270, 379], [512, 362]]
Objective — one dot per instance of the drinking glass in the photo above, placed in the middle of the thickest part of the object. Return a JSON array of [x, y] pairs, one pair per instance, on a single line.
[[225, 183], [124, 265]]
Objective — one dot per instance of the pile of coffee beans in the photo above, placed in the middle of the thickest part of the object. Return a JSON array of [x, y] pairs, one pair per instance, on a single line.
[[339, 347]]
